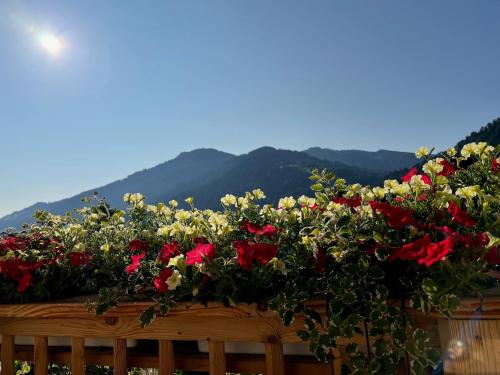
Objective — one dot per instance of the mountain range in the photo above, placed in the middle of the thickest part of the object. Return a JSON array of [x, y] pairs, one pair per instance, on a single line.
[[207, 174]]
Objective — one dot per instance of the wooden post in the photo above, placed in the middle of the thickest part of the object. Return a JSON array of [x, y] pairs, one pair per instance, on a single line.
[[216, 358], [275, 362], [8, 354], [166, 357], [120, 357], [77, 356], [41, 355]]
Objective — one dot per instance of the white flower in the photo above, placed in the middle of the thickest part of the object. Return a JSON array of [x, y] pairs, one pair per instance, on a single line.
[[287, 202], [174, 280], [228, 200], [422, 152]]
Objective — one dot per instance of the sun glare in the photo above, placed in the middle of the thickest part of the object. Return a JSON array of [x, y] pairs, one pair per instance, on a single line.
[[50, 43]]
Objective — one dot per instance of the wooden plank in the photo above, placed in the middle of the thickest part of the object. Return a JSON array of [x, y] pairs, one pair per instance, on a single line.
[[120, 357], [7, 355], [41, 355], [216, 357], [77, 356], [166, 357], [471, 346], [275, 363]]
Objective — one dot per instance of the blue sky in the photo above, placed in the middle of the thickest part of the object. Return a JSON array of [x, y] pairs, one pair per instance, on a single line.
[[138, 82]]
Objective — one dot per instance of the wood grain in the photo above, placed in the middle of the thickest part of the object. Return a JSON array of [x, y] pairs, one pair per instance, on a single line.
[[120, 357], [7, 355], [41, 355], [166, 357], [217, 358], [275, 363], [77, 356]]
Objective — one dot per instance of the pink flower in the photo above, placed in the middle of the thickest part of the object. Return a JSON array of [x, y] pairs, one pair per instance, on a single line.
[[396, 216], [25, 281], [407, 177], [266, 231], [351, 202], [200, 253], [79, 259], [247, 252], [448, 169]]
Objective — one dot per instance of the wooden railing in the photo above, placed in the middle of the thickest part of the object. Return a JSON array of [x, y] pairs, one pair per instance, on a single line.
[[215, 323]]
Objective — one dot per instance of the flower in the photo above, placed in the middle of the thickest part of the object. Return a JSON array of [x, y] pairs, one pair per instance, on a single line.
[[168, 251], [494, 165], [266, 231], [278, 265], [468, 150], [138, 245], [407, 177], [351, 202], [321, 259], [247, 252], [228, 200], [135, 263], [174, 280], [79, 259], [424, 251], [160, 282], [397, 217], [287, 202], [12, 243], [448, 168], [305, 201], [25, 281], [433, 167], [451, 151], [258, 194], [201, 252], [460, 216], [177, 261], [422, 152], [467, 192]]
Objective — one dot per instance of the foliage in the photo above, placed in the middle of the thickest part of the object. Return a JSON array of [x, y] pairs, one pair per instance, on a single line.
[[430, 238]]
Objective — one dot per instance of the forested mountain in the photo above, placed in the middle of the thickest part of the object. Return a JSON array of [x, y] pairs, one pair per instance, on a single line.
[[381, 160], [489, 133]]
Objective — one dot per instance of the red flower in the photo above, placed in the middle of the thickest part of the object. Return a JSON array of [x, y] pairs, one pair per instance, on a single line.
[[407, 177], [494, 165], [397, 217], [160, 282], [79, 259], [412, 250], [437, 251], [138, 245], [12, 243], [247, 252], [426, 179], [424, 251], [460, 216], [267, 231], [25, 281], [320, 260], [244, 254], [168, 251], [351, 202], [135, 263], [264, 252], [200, 252], [448, 168]]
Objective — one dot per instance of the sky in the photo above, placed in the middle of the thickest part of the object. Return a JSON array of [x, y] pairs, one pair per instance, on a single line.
[[136, 83]]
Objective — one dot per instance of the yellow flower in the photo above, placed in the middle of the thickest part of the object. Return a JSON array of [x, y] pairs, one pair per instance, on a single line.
[[177, 262], [467, 192], [379, 192], [402, 189], [136, 199], [173, 203], [217, 219], [164, 231], [228, 200], [174, 280], [189, 200], [332, 206], [390, 184], [258, 194], [305, 201], [468, 150], [278, 265], [451, 151], [105, 248], [182, 215], [432, 167], [287, 202], [417, 183], [422, 152], [243, 202]]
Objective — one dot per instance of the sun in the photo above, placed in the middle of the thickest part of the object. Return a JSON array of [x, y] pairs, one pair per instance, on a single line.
[[50, 43]]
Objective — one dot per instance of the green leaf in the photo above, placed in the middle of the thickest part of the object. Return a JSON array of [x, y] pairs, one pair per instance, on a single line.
[[147, 316], [376, 273]]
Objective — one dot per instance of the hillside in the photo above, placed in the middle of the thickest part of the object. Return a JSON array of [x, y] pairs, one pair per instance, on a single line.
[[489, 133], [277, 172], [381, 160], [207, 174]]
